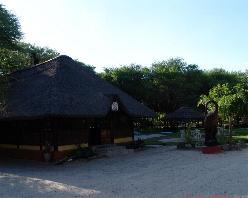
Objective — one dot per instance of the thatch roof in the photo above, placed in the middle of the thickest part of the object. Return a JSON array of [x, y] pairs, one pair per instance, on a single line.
[[185, 114], [63, 87]]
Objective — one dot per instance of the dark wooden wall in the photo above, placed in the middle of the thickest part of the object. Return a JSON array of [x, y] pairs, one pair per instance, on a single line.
[[19, 132], [65, 131], [121, 125], [70, 131], [59, 131]]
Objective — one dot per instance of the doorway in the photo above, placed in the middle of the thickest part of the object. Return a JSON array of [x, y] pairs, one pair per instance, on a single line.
[[95, 136]]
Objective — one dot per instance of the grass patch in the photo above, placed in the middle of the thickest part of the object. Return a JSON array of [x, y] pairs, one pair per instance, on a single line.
[[150, 130], [240, 137], [155, 141], [174, 134], [241, 130], [240, 134]]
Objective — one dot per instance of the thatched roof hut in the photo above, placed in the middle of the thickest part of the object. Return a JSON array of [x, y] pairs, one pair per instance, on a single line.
[[185, 114], [63, 87], [62, 103]]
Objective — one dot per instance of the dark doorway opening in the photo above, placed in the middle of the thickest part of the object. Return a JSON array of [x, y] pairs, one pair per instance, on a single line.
[[95, 136]]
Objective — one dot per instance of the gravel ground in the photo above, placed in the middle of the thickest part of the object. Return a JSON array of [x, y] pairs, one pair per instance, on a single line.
[[153, 173]]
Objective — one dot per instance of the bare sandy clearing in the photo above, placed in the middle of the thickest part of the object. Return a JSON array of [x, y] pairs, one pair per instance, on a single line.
[[156, 172]]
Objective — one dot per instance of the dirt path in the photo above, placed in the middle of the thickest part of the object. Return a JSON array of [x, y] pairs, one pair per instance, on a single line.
[[159, 172]]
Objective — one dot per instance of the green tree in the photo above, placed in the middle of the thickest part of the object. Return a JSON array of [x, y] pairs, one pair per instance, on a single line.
[[87, 66], [13, 53], [12, 60], [131, 78], [220, 76], [193, 85], [10, 29], [37, 54], [167, 79], [232, 101], [177, 84]]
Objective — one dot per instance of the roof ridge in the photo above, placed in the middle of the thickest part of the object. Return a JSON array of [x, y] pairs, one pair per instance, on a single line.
[[40, 64]]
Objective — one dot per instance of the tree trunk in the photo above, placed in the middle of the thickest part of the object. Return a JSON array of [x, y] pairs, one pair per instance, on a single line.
[[230, 128]]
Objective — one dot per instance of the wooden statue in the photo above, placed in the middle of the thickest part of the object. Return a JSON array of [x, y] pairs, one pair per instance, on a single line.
[[211, 123]]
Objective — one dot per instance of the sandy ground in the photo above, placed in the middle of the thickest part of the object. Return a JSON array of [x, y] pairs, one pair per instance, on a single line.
[[157, 172]]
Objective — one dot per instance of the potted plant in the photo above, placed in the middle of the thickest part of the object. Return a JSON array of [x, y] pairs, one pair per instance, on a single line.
[[47, 152]]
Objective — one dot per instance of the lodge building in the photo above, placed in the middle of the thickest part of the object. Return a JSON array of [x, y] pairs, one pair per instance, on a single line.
[[64, 103]]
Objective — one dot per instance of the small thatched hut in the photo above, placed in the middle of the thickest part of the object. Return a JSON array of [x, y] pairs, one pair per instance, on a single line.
[[185, 114], [65, 104]]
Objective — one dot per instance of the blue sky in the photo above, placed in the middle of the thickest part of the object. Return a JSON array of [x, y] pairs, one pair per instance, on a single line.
[[107, 33]]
